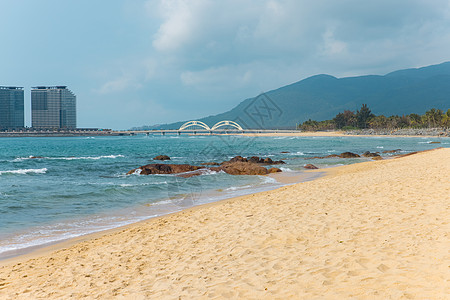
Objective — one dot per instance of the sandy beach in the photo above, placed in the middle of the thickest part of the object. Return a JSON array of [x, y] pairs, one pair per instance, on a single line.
[[330, 134], [377, 229]]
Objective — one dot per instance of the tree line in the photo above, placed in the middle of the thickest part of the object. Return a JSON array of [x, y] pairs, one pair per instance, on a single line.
[[364, 118]]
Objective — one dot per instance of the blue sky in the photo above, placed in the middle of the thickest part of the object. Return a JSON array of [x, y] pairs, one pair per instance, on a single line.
[[136, 62]]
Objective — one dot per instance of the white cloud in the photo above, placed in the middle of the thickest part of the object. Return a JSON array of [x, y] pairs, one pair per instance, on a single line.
[[179, 25], [118, 85]]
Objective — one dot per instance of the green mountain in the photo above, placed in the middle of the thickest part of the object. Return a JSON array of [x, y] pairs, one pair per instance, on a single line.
[[321, 97]]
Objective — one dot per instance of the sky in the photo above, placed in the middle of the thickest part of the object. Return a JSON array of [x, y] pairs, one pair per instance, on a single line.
[[137, 62]]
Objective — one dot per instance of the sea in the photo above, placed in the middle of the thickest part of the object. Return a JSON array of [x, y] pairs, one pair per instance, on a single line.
[[56, 188]]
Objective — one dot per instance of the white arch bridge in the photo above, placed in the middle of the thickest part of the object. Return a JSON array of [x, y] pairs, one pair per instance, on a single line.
[[189, 125], [199, 127]]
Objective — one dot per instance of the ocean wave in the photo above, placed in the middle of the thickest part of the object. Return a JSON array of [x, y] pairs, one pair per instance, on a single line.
[[235, 188], [141, 184], [18, 159], [25, 171], [286, 169]]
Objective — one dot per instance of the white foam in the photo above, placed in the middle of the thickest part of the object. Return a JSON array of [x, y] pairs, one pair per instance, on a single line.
[[234, 188], [68, 158], [286, 170], [25, 171]]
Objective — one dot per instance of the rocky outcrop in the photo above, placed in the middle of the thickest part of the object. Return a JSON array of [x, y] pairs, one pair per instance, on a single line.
[[310, 167], [348, 155], [391, 151], [274, 170], [164, 169], [241, 168], [254, 160], [370, 154], [161, 157], [210, 164], [236, 166], [404, 131]]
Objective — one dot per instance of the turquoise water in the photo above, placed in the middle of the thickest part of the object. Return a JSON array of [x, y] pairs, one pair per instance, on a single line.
[[79, 185]]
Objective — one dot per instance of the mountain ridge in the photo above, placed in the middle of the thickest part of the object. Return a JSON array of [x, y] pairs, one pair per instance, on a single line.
[[322, 96]]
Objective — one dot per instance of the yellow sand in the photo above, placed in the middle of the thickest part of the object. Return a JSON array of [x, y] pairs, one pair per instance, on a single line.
[[331, 134], [302, 133], [372, 230]]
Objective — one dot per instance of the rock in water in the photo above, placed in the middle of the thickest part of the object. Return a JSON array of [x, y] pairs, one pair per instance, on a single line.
[[161, 157], [165, 169], [274, 170], [310, 167], [370, 154], [348, 155], [392, 151], [241, 168]]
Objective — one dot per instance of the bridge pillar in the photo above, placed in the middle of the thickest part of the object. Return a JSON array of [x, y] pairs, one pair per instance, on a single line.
[[178, 132], [163, 133]]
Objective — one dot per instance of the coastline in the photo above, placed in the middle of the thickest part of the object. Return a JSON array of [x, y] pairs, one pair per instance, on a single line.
[[236, 226], [284, 178], [337, 134]]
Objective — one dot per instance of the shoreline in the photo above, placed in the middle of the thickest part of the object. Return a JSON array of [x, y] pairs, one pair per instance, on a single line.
[[371, 229], [337, 134], [284, 178]]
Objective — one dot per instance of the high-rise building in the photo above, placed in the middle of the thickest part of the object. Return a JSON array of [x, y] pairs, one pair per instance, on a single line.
[[11, 107], [53, 107]]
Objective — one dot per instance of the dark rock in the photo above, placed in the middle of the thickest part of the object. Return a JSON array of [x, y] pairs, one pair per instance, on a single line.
[[274, 170], [36, 157], [348, 155], [370, 154], [255, 160], [241, 168], [392, 151], [165, 169], [285, 152], [377, 158], [322, 157], [310, 167], [237, 159], [435, 142], [268, 161], [161, 157], [210, 164]]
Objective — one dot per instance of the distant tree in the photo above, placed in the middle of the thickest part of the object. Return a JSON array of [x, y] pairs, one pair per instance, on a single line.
[[309, 125], [363, 116], [378, 122], [327, 125], [345, 119], [446, 119], [433, 117], [415, 120]]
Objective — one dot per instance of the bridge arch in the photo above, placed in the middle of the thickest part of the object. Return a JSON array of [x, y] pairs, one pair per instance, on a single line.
[[226, 123], [194, 123]]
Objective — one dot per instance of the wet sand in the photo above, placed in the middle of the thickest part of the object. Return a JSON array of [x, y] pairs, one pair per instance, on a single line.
[[377, 229]]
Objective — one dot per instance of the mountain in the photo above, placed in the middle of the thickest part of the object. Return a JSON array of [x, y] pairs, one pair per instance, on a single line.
[[321, 97]]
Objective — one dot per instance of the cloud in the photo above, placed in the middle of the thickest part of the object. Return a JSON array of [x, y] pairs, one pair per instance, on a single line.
[[118, 85], [203, 52]]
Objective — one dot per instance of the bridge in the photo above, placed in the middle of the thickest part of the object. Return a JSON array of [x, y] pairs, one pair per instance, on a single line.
[[216, 126], [201, 128]]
